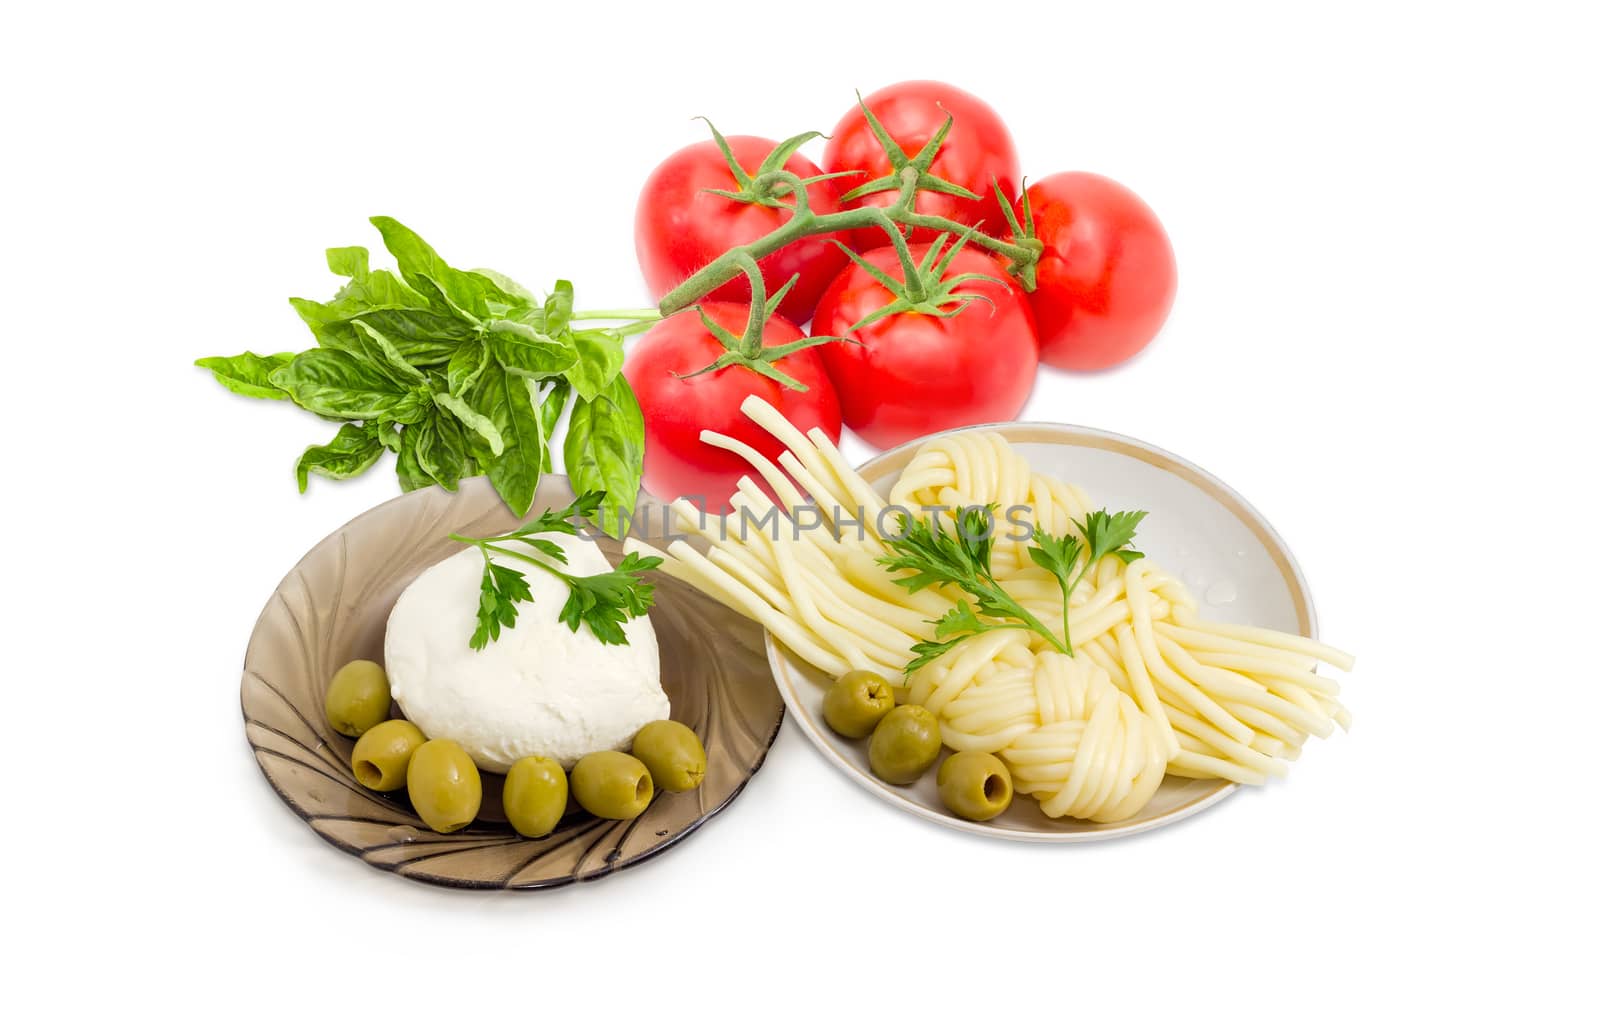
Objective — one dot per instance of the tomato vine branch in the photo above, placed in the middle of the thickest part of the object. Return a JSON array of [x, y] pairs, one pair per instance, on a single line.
[[748, 350], [1021, 253]]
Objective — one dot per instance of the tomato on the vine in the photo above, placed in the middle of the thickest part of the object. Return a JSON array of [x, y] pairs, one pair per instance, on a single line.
[[1107, 277], [680, 225], [977, 152], [911, 373], [676, 462]]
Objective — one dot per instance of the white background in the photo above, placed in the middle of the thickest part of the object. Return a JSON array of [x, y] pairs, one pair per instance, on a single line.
[[1386, 220]]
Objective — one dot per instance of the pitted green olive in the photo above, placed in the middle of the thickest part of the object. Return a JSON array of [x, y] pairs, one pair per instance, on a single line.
[[612, 785], [381, 757], [975, 785], [672, 753], [856, 702]]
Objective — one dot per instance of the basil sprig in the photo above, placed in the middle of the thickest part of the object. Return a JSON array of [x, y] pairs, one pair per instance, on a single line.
[[458, 373]]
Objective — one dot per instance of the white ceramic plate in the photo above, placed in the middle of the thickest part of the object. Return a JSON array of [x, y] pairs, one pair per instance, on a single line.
[[1237, 567]]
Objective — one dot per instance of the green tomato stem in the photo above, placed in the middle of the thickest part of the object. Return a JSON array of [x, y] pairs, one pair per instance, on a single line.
[[485, 546], [804, 222], [750, 342], [618, 314], [638, 326]]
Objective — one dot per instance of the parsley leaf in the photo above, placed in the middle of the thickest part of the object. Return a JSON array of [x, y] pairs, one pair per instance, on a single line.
[[502, 588], [608, 599], [1104, 535], [603, 601], [952, 628], [933, 555], [936, 556], [1110, 533], [958, 620]]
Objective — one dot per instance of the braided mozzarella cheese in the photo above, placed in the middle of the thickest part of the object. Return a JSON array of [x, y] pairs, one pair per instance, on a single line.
[[1150, 689], [1230, 702], [976, 469], [1071, 739]]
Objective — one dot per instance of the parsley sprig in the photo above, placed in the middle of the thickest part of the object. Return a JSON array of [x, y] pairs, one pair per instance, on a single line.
[[938, 556], [603, 601], [1104, 534]]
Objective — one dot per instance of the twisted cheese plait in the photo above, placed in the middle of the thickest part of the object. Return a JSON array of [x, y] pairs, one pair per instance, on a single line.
[[1232, 702], [975, 469], [1071, 739], [1150, 683]]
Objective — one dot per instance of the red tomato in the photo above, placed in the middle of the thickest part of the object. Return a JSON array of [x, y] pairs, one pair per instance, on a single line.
[[1107, 276], [977, 152], [679, 226], [913, 374], [676, 462]]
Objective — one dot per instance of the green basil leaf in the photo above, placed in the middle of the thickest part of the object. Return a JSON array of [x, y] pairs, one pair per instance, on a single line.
[[350, 452], [414, 407], [337, 335], [599, 360], [466, 292], [318, 315], [379, 289], [529, 313], [473, 421], [507, 400], [558, 308], [605, 451], [424, 354], [441, 451], [507, 285], [527, 350], [386, 304], [461, 306], [555, 401], [248, 374], [384, 355], [513, 294], [419, 325], [466, 365], [416, 257], [334, 383], [387, 434], [348, 262], [406, 466], [424, 338]]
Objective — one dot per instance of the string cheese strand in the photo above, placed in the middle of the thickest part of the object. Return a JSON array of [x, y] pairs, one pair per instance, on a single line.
[[1153, 690]]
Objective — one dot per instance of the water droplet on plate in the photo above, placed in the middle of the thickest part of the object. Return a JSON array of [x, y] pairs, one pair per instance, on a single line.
[[1223, 591]]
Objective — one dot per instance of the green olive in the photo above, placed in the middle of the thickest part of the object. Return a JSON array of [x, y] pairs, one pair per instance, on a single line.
[[358, 698], [382, 755], [535, 796], [856, 702], [444, 785], [904, 744], [612, 785], [672, 753], [975, 785]]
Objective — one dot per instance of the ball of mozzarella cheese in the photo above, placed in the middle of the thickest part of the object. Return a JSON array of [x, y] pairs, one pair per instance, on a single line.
[[541, 689]]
